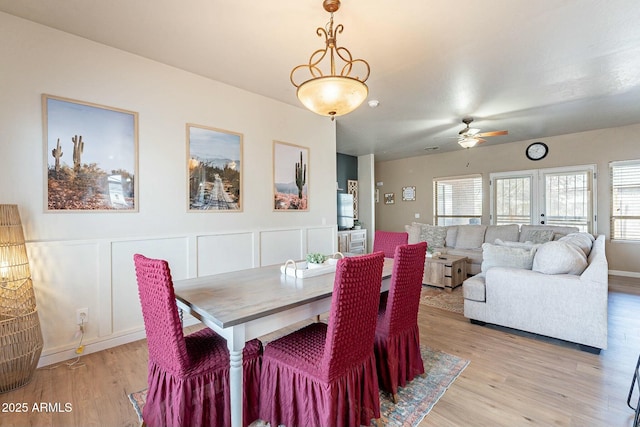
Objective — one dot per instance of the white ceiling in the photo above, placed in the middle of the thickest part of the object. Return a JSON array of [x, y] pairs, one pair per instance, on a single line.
[[536, 68]]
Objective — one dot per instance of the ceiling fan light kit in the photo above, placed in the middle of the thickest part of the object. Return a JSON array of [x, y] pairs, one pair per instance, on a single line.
[[468, 137], [332, 94]]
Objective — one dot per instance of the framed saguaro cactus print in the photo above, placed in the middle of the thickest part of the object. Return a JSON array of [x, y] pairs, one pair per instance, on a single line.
[[91, 156], [290, 177]]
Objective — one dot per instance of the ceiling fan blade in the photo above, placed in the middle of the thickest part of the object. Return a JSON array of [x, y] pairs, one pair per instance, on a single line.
[[494, 133], [480, 140]]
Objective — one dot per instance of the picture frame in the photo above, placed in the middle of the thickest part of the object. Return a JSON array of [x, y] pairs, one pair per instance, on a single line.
[[409, 193], [214, 165], [389, 199], [290, 177], [90, 155]]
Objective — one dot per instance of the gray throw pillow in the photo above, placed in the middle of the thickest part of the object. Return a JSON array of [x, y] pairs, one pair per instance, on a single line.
[[538, 236], [432, 234], [507, 256], [559, 258]]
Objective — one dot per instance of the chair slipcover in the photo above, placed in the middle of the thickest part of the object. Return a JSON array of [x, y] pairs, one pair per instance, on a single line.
[[188, 376], [397, 338], [325, 375], [386, 241]]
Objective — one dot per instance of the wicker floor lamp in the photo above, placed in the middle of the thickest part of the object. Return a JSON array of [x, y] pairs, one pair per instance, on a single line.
[[20, 334]]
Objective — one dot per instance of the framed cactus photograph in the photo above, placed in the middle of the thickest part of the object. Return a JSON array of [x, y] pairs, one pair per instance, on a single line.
[[215, 169], [290, 177], [91, 155]]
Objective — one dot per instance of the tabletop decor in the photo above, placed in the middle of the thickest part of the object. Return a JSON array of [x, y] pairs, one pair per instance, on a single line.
[[20, 332], [290, 177], [215, 169], [91, 156]]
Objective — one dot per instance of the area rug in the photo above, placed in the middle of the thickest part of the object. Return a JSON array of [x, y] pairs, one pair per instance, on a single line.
[[414, 401], [439, 298]]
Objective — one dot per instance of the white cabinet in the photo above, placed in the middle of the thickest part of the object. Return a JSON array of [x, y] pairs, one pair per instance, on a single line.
[[352, 241]]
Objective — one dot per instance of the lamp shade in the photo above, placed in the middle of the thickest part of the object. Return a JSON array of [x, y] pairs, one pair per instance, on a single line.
[[332, 95], [20, 334]]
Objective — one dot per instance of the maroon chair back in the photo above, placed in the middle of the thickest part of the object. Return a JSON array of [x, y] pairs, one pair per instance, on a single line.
[[387, 241], [353, 315], [404, 291], [165, 339]]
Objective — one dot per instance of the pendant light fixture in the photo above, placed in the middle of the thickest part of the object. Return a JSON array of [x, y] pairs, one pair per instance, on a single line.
[[332, 93]]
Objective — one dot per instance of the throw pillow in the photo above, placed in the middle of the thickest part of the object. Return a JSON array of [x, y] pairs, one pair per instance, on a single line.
[[432, 234], [558, 257], [506, 256], [413, 231], [538, 236], [521, 245], [470, 236], [584, 241]]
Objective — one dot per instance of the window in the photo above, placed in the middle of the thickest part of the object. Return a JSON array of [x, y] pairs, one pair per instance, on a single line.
[[458, 200], [558, 196], [625, 200]]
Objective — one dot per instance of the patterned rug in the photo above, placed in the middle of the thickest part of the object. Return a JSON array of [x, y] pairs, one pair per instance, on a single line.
[[414, 401], [439, 298]]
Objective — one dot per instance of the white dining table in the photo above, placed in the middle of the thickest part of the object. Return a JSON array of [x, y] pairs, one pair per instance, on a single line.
[[246, 304]]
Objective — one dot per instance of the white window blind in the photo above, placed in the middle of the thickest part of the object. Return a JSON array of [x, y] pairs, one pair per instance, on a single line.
[[625, 200], [458, 200]]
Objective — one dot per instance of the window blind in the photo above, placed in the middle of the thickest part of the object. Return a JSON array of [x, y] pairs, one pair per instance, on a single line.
[[625, 200], [458, 200]]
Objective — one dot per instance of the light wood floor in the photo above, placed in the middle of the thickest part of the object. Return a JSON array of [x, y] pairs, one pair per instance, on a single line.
[[512, 380]]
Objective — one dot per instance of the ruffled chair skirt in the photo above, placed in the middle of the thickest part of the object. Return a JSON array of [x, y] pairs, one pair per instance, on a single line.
[[295, 399], [201, 399], [398, 359]]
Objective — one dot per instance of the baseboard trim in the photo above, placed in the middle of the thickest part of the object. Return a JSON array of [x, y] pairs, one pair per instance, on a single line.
[[54, 356], [624, 273]]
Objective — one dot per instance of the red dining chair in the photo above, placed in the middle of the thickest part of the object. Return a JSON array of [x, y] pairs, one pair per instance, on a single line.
[[188, 376], [397, 338], [325, 375], [386, 241]]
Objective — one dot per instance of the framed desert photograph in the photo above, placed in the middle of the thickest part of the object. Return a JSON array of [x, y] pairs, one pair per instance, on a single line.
[[91, 155], [214, 159], [290, 177]]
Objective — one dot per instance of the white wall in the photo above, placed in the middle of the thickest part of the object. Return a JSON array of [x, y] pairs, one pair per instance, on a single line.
[[84, 259]]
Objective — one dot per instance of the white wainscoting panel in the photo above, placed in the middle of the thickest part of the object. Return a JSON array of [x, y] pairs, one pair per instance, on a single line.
[[127, 314], [65, 277], [323, 240], [225, 252], [277, 246]]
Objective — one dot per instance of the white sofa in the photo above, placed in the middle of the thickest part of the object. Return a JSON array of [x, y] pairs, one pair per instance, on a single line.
[[467, 240], [548, 298]]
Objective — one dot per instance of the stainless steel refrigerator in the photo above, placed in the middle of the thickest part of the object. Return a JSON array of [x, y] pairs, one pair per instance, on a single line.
[[345, 211]]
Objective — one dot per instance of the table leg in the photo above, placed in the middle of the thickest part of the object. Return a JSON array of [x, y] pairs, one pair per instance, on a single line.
[[236, 345]]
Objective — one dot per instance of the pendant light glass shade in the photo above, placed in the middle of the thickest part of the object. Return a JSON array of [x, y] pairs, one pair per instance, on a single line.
[[332, 95], [329, 92]]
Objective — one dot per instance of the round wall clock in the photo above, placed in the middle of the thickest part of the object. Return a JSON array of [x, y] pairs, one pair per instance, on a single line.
[[537, 151]]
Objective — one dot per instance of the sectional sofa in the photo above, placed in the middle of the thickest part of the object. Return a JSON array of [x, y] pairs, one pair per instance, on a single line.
[[467, 240], [557, 289], [547, 280]]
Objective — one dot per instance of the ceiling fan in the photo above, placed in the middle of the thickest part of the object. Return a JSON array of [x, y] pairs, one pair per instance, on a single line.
[[469, 137]]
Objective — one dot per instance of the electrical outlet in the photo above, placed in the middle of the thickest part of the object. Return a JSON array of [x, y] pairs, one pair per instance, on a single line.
[[82, 316]]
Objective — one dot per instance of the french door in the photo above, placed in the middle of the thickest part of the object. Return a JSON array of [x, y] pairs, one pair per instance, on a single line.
[[558, 196]]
